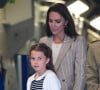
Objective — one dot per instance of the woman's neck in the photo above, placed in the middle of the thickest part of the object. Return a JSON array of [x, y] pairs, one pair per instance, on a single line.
[[58, 39]]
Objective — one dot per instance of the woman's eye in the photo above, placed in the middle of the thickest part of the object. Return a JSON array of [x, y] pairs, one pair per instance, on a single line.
[[58, 21], [50, 21]]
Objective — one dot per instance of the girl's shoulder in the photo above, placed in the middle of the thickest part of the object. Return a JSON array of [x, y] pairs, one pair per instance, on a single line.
[[31, 78], [51, 79], [50, 74]]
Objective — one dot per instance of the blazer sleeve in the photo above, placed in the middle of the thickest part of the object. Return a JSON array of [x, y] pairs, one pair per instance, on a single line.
[[80, 62]]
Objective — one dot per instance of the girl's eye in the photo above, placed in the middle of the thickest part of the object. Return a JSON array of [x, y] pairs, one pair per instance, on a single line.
[[39, 58], [32, 58]]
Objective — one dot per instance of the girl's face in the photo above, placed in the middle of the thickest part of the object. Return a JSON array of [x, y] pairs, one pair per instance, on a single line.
[[38, 61], [56, 23]]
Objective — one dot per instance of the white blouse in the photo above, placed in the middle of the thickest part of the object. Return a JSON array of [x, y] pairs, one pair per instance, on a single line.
[[55, 51]]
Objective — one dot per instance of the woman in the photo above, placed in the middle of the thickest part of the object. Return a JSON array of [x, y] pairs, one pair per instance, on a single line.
[[69, 49]]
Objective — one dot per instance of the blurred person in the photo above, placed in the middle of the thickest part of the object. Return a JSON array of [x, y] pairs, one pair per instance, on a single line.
[[69, 49], [93, 66], [41, 61]]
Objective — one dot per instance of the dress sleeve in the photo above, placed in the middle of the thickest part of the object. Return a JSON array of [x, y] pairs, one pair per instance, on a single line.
[[29, 80], [28, 84], [51, 82]]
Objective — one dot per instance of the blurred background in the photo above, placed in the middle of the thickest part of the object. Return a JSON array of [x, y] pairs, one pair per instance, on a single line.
[[22, 24]]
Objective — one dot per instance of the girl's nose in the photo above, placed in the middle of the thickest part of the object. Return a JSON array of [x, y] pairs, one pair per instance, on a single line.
[[35, 61]]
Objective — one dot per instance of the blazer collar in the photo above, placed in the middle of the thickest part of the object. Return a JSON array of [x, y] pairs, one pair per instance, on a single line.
[[64, 49]]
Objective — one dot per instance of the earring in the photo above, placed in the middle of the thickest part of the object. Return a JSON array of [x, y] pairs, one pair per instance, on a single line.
[[65, 25]]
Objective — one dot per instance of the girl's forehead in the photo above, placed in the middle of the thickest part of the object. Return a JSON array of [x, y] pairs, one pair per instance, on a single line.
[[37, 52]]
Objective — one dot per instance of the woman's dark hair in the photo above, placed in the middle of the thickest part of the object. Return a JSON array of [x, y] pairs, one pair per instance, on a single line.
[[47, 52], [63, 11]]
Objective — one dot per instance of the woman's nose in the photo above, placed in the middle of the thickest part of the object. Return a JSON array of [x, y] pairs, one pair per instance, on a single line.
[[53, 24]]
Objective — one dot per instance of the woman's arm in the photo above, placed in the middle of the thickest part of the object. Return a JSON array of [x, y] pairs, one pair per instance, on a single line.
[[80, 64]]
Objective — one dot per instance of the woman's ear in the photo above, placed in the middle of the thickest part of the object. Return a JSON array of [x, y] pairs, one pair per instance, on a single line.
[[47, 61], [66, 22]]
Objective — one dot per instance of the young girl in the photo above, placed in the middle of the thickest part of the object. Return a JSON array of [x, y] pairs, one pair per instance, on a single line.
[[41, 61]]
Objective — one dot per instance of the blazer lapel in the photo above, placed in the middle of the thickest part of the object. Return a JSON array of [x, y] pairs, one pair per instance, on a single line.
[[64, 49]]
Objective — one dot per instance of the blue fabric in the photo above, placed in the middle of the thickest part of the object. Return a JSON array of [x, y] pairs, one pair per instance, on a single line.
[[1, 82], [24, 71]]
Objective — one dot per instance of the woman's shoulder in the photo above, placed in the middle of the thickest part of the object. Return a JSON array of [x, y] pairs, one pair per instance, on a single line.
[[43, 39], [46, 40], [80, 41], [80, 37]]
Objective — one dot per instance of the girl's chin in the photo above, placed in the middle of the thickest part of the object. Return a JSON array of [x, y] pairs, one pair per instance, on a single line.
[[54, 33], [36, 69]]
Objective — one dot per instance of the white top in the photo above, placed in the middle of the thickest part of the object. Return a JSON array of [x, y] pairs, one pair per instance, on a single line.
[[55, 51], [51, 82]]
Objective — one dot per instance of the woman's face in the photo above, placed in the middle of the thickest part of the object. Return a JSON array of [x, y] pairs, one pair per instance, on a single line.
[[56, 23], [38, 61]]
